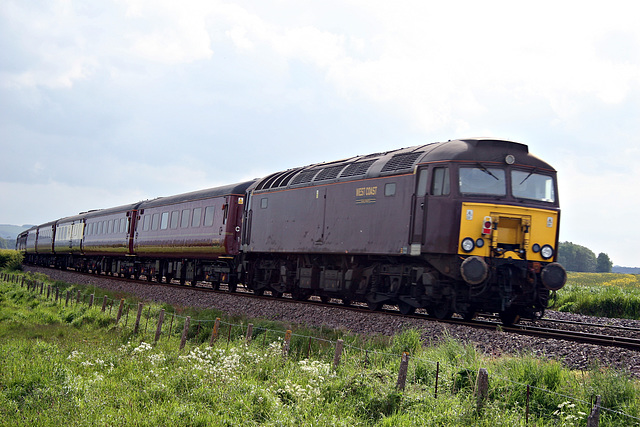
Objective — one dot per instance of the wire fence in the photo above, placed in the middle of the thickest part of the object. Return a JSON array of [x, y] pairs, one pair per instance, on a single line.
[[153, 321]]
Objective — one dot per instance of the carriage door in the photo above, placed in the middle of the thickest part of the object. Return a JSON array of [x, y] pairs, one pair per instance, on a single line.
[[418, 210]]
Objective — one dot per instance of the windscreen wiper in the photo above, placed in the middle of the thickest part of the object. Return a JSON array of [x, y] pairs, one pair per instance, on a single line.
[[527, 177], [487, 171]]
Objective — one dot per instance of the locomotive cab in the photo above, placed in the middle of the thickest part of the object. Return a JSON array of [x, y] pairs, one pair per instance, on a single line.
[[508, 231]]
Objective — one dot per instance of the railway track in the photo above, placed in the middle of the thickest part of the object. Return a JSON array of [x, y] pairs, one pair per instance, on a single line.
[[613, 339]]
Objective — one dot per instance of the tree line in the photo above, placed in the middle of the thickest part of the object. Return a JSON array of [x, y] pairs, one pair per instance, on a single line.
[[7, 244], [581, 259]]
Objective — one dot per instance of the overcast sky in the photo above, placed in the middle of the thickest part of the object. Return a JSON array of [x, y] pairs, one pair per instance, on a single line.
[[104, 103]]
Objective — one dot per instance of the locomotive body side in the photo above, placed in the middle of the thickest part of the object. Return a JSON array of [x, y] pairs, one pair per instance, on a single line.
[[350, 217]]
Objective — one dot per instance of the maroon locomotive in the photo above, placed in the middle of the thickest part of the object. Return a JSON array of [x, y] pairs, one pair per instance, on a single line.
[[455, 227]]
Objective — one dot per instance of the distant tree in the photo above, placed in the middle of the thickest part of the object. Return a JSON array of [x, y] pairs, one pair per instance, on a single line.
[[4, 244], [603, 263], [576, 258]]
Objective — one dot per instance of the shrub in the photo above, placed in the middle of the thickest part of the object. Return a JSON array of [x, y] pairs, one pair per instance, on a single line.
[[11, 260]]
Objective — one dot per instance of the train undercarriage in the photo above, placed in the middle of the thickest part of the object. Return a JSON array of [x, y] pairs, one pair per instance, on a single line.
[[511, 288]]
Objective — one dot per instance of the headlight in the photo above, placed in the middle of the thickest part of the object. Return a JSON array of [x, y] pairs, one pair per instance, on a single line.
[[546, 252], [467, 244]]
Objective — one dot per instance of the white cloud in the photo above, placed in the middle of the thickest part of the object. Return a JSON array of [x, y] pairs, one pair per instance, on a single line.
[[302, 82]]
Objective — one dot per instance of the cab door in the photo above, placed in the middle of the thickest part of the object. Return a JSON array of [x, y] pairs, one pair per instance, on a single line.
[[418, 210]]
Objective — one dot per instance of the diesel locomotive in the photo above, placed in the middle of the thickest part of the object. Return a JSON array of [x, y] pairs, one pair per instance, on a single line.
[[462, 226]]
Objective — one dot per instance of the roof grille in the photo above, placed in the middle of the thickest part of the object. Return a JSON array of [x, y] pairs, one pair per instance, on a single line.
[[328, 173], [304, 177], [357, 168], [401, 161]]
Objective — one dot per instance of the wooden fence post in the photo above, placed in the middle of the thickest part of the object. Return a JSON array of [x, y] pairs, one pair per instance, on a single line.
[[57, 293], [78, 297], [48, 291], [402, 373], [66, 303], [120, 311], [104, 303], [482, 387], [594, 416], [338, 353], [249, 333], [91, 300], [183, 340], [287, 343], [159, 328], [137, 325], [214, 333]]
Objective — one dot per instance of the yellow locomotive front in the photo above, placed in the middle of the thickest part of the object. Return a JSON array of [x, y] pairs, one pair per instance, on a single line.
[[509, 222]]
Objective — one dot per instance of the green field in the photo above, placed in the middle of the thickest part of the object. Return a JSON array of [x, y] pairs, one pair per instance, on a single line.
[[68, 364], [601, 294]]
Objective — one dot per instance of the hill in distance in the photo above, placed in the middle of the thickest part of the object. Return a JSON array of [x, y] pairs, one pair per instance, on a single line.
[[10, 232]]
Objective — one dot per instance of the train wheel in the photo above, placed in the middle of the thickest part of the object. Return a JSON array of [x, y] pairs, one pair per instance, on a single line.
[[325, 299], [346, 301], [441, 312], [300, 295], [374, 306], [469, 315], [406, 309], [259, 292], [509, 317]]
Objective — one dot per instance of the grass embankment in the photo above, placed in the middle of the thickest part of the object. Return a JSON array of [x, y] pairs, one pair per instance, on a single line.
[[72, 365], [601, 294]]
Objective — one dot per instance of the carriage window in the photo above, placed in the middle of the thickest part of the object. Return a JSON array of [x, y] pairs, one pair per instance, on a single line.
[[481, 180], [184, 223], [208, 216], [440, 184], [155, 221], [390, 189], [146, 223], [123, 225], [529, 185], [175, 216], [105, 226], [197, 213], [164, 223], [264, 202]]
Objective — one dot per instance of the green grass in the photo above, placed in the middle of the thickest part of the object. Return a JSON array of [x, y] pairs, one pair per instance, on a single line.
[[72, 365], [601, 294]]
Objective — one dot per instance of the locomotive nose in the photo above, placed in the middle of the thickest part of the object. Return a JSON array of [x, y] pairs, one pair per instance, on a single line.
[[554, 276]]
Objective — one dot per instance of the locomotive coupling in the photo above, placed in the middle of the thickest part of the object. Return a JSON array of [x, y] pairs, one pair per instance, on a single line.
[[474, 270], [554, 276]]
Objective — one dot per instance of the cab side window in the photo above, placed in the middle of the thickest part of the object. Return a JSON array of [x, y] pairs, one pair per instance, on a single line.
[[440, 185]]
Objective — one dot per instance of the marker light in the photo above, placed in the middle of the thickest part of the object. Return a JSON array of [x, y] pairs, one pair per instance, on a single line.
[[486, 225], [480, 243], [535, 248], [467, 244], [546, 252]]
